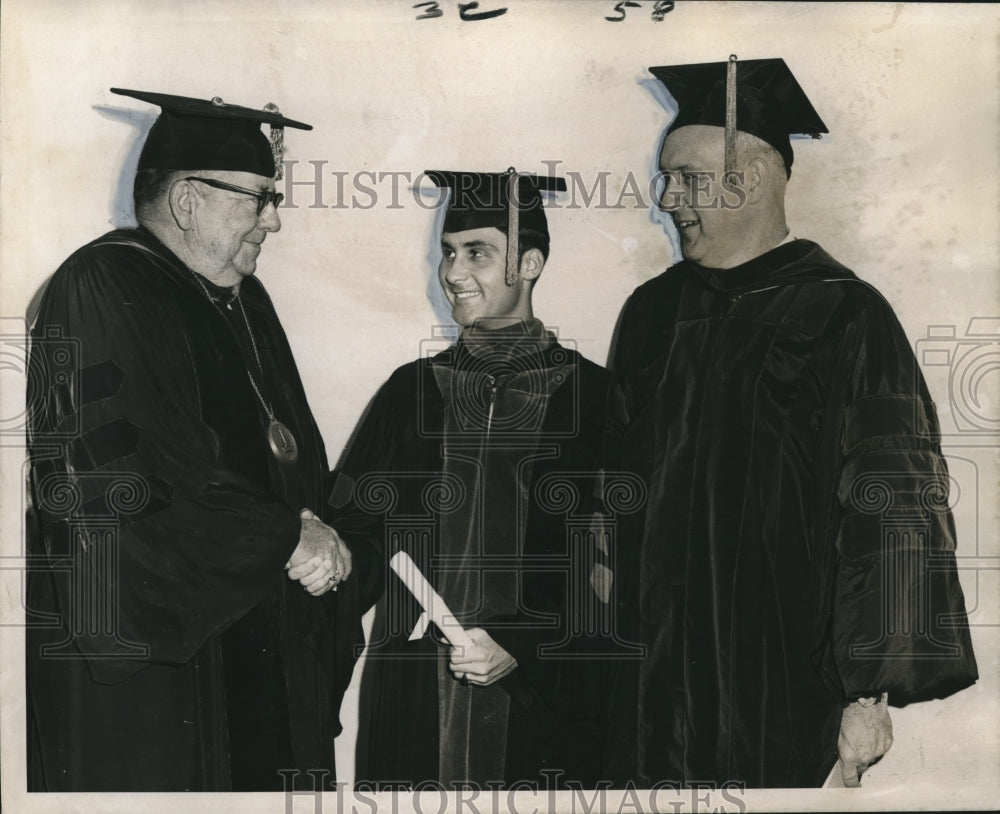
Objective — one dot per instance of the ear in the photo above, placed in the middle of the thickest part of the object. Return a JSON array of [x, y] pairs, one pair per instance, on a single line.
[[532, 262], [181, 198], [757, 179]]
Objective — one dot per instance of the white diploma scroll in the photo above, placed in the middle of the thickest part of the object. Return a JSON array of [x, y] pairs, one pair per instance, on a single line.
[[430, 600]]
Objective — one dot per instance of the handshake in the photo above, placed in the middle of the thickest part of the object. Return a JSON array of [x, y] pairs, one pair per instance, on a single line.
[[321, 560]]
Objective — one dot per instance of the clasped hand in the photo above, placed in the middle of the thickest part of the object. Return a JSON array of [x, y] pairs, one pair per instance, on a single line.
[[483, 663], [321, 561]]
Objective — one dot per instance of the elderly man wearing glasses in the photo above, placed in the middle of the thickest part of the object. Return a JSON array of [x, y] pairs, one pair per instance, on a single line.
[[175, 469]]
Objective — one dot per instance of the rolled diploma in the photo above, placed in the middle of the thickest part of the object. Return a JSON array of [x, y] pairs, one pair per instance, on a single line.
[[430, 600]]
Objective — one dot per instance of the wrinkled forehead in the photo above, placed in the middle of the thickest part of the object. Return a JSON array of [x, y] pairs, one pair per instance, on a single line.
[[696, 146]]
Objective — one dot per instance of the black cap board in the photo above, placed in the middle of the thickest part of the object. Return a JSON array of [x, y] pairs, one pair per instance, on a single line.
[[482, 199], [200, 134], [769, 102]]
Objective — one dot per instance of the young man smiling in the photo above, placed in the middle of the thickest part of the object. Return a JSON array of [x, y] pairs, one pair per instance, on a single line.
[[472, 275], [472, 449]]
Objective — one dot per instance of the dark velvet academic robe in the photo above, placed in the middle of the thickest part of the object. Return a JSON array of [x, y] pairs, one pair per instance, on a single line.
[[797, 550], [167, 650], [482, 463]]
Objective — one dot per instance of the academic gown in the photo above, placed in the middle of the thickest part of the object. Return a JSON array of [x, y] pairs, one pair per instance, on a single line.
[[167, 650], [482, 464], [797, 550]]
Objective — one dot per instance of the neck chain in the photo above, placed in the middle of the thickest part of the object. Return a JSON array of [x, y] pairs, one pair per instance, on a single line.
[[279, 437]]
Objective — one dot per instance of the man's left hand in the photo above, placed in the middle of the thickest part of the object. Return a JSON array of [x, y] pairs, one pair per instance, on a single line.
[[865, 735], [483, 663]]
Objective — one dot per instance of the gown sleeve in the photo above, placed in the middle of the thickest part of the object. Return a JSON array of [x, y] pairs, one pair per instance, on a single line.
[[364, 490], [620, 353], [142, 518], [899, 620]]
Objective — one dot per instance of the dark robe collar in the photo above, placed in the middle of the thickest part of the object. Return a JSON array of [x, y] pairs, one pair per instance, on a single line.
[[789, 263], [143, 239], [497, 350]]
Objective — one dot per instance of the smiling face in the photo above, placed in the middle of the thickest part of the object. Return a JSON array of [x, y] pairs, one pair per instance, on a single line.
[[472, 273], [711, 228], [226, 233]]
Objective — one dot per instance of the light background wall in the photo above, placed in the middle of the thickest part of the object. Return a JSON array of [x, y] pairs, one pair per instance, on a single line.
[[903, 190]]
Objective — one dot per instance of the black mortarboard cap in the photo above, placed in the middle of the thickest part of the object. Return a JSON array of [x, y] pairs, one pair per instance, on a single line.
[[770, 104], [199, 134], [482, 199]]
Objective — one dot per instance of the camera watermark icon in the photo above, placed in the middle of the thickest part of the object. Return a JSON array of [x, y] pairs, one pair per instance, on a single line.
[[48, 365], [964, 366], [967, 368], [498, 388]]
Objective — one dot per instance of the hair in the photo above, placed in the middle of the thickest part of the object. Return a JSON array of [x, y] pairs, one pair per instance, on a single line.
[[749, 146], [530, 238], [149, 187]]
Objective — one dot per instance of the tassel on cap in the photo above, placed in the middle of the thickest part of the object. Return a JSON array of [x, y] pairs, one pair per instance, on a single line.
[[277, 137], [513, 227], [731, 115]]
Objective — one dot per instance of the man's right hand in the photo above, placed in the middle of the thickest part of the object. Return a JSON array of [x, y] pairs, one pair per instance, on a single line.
[[321, 560], [865, 735]]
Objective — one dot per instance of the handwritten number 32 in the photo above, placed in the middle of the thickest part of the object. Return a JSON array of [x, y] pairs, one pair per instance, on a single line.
[[466, 11]]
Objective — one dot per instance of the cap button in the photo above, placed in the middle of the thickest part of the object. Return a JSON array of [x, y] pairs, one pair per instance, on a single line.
[[217, 101]]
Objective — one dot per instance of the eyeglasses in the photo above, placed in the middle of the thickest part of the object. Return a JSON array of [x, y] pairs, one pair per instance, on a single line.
[[263, 198]]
